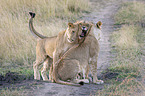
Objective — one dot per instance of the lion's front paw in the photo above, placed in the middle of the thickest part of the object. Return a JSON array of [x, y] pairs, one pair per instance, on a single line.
[[99, 82], [82, 80], [85, 80]]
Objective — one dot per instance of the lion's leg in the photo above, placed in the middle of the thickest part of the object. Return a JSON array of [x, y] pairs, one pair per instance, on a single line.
[[36, 65], [94, 72], [46, 66], [82, 76], [87, 72], [40, 58], [84, 71], [45, 69], [50, 73]]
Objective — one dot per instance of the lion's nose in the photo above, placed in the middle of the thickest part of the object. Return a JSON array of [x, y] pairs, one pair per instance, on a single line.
[[84, 28]]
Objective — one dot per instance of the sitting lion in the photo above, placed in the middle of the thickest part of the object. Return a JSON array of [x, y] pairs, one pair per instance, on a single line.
[[77, 60]]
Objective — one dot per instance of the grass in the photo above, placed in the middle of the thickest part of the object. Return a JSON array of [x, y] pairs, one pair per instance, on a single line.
[[16, 92], [128, 87], [131, 13], [24, 70], [127, 63], [17, 45], [127, 43], [12, 92]]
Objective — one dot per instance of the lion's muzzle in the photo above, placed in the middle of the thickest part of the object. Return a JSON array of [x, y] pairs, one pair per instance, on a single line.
[[84, 32]]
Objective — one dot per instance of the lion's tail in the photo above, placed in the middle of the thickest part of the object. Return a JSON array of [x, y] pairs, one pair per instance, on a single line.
[[69, 83], [32, 30]]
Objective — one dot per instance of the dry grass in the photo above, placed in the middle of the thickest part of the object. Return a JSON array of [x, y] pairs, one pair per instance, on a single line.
[[17, 45], [12, 92], [127, 63], [127, 43], [128, 49], [128, 87], [127, 37], [16, 92], [131, 13]]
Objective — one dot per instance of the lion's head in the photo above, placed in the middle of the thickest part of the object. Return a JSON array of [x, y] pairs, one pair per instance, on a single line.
[[88, 27], [72, 32], [85, 28]]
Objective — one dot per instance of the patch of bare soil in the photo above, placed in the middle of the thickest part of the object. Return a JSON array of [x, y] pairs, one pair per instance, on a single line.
[[13, 78]]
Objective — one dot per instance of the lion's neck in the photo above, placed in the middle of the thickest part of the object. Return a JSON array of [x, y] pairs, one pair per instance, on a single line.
[[65, 35]]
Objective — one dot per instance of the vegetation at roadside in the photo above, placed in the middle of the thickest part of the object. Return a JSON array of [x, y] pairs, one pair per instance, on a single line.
[[127, 44], [131, 13], [17, 45], [13, 92]]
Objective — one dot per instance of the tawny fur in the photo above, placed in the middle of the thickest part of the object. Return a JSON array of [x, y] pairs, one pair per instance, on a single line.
[[45, 49], [77, 61], [46, 46]]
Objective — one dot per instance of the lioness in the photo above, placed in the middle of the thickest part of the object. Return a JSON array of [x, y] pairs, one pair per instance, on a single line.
[[46, 46], [77, 60], [96, 32]]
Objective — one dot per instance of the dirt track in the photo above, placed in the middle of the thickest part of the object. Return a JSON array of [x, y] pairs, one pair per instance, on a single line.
[[104, 14]]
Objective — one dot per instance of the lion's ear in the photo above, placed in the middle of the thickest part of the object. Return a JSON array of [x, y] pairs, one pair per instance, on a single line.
[[98, 25], [70, 25]]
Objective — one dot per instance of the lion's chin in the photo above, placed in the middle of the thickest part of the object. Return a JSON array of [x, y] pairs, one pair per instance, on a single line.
[[70, 41], [80, 37]]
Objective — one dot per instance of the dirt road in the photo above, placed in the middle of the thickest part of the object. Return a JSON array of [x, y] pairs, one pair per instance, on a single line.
[[104, 14]]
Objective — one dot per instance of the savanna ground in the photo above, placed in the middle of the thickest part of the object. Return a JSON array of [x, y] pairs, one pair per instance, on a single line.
[[122, 50]]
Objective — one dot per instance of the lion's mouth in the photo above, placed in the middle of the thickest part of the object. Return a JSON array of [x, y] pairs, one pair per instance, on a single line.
[[84, 32]]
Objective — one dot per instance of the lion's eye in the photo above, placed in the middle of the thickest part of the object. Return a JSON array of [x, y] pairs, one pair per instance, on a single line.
[[87, 25], [73, 31]]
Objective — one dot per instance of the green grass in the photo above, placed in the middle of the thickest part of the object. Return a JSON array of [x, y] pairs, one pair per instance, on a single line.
[[27, 71], [127, 43], [12, 92]]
